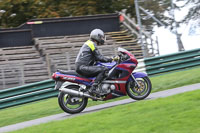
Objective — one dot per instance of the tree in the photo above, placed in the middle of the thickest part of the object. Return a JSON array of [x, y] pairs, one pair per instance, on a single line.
[[15, 12], [194, 11], [159, 9]]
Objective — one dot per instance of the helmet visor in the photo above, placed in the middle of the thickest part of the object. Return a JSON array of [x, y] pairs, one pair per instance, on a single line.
[[103, 39]]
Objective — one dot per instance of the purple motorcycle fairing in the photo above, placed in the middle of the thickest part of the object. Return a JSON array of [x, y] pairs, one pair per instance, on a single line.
[[137, 75], [108, 65]]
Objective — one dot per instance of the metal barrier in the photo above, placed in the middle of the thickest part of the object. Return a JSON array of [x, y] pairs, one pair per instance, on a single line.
[[44, 89], [171, 62], [27, 93]]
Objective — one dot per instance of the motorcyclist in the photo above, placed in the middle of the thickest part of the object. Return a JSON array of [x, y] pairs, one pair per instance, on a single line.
[[88, 55]]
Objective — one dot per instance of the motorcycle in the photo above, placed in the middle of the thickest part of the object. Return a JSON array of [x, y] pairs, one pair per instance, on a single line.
[[120, 81]]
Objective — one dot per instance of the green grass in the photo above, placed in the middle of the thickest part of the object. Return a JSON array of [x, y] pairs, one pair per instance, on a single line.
[[174, 114], [50, 106], [176, 79]]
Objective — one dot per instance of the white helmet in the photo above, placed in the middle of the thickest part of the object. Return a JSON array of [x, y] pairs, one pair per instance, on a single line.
[[98, 35]]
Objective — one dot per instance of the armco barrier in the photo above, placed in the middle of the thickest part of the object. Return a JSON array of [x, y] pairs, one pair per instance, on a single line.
[[44, 89], [27, 93], [171, 62]]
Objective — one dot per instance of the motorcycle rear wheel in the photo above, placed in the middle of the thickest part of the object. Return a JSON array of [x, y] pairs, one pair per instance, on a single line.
[[139, 93], [71, 104]]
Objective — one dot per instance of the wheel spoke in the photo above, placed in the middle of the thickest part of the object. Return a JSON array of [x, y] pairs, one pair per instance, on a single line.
[[72, 103], [67, 101], [139, 94]]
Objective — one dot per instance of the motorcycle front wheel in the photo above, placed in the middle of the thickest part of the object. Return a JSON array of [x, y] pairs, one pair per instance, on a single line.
[[71, 104], [139, 92]]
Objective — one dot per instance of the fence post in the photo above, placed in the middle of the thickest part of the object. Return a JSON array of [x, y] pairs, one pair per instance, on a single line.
[[3, 78], [68, 60], [48, 64], [22, 72], [140, 28]]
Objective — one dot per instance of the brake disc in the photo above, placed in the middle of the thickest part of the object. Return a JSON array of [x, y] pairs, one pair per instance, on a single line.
[[141, 88]]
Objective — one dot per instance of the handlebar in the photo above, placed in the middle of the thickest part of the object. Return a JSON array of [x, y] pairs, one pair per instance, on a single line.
[[120, 57]]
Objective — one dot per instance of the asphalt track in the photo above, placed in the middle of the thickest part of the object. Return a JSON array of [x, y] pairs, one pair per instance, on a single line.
[[62, 116]]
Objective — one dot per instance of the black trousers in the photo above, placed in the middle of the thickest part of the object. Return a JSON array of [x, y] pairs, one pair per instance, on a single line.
[[92, 71]]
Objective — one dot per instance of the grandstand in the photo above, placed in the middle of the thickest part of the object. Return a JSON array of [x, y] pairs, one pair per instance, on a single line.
[[21, 65], [27, 64]]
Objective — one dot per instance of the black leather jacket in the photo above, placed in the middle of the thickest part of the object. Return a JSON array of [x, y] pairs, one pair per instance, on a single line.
[[89, 53]]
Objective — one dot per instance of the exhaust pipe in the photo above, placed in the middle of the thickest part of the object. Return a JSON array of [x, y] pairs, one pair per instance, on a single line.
[[78, 93]]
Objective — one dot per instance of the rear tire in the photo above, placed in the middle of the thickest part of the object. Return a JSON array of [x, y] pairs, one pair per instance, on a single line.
[[71, 104], [139, 93]]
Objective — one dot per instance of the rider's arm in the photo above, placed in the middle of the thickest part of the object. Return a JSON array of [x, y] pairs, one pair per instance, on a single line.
[[100, 57]]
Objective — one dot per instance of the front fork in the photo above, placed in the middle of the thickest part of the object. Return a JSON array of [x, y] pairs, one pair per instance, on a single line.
[[134, 79], [137, 75]]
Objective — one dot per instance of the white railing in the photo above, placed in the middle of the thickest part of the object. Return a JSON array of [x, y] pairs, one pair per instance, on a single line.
[[149, 44]]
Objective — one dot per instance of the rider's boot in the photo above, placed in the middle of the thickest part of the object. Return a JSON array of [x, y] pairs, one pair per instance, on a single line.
[[93, 89]]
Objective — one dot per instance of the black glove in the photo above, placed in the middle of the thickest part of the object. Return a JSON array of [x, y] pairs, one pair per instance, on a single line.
[[110, 59]]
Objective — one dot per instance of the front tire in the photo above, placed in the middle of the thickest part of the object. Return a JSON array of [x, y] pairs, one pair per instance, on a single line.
[[139, 93], [71, 104]]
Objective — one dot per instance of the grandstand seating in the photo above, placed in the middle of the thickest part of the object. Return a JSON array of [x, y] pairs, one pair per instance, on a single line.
[[21, 65]]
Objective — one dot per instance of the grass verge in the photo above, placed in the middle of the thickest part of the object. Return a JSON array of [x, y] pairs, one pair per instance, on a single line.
[[50, 106], [174, 114]]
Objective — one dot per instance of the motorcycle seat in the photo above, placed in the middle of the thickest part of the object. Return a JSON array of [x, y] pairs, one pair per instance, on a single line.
[[71, 72]]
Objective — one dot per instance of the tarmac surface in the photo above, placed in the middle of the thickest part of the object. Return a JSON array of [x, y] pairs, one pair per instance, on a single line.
[[62, 116]]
